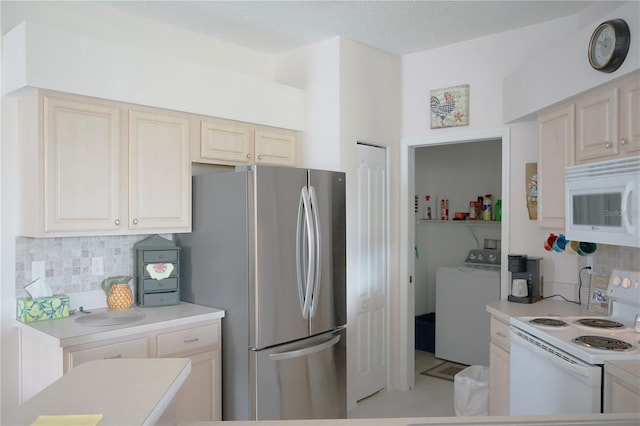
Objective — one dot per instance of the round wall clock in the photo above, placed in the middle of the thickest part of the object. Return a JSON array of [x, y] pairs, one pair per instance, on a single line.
[[609, 45]]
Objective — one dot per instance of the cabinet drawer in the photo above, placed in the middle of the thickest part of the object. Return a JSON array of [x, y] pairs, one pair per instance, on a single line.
[[160, 299], [160, 285], [187, 340], [500, 334], [131, 349], [160, 256]]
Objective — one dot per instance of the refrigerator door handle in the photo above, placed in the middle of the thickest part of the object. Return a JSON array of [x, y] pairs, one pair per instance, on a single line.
[[306, 351], [299, 266], [318, 253], [306, 296]]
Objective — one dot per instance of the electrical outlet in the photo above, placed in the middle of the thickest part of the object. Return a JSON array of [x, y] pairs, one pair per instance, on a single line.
[[37, 270], [590, 263], [97, 266]]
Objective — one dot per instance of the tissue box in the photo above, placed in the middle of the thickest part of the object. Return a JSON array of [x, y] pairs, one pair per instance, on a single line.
[[42, 308]]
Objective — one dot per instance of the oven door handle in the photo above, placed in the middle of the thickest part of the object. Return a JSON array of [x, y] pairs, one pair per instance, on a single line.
[[568, 363]]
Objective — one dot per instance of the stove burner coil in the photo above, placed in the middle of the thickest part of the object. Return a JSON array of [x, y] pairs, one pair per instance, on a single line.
[[600, 323], [601, 342], [549, 322]]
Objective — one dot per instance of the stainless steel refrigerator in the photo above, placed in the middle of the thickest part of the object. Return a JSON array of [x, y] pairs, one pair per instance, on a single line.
[[268, 246]]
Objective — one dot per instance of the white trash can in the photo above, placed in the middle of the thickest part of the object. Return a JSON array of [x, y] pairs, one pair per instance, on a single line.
[[471, 391]]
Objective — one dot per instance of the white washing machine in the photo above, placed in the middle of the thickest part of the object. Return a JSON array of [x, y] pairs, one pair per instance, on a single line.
[[462, 321]]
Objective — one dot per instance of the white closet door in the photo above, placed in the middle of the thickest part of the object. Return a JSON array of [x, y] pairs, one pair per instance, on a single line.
[[372, 271]]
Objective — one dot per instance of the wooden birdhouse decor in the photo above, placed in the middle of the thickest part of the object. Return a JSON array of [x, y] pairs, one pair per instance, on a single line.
[[450, 107]]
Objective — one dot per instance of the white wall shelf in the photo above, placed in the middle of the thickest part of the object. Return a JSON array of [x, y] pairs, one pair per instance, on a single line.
[[459, 222]]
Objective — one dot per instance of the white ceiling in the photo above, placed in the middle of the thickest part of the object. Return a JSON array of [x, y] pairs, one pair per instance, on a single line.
[[399, 27]]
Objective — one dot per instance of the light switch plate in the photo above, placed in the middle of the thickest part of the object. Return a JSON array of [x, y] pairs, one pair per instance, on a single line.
[[97, 266]]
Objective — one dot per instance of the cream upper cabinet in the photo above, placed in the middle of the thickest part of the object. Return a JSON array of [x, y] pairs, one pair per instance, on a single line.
[[275, 147], [92, 167], [159, 172], [555, 153], [607, 125], [224, 142], [232, 143], [596, 124], [74, 171], [630, 116]]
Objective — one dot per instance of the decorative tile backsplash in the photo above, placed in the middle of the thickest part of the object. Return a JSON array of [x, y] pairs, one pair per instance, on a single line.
[[67, 261], [607, 258]]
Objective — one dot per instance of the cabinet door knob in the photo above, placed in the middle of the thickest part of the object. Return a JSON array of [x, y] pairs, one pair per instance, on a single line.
[[259, 157], [135, 221], [623, 142], [117, 222], [608, 145], [248, 155]]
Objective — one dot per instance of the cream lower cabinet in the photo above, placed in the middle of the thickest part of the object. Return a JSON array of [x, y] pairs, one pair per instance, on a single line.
[[621, 393], [499, 360], [227, 142], [94, 167], [199, 399], [555, 153]]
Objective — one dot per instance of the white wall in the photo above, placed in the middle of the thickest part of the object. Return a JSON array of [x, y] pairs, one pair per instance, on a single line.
[[316, 70], [106, 23], [560, 69], [482, 63]]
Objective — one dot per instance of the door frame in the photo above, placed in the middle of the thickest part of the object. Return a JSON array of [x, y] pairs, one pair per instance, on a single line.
[[407, 234]]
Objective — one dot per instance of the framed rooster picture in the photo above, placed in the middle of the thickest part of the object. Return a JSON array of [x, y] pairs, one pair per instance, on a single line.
[[450, 107]]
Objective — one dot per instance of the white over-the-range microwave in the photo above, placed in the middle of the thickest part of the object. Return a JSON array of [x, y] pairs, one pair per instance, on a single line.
[[603, 202]]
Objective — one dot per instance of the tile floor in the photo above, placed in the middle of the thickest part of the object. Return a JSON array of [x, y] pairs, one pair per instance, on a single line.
[[431, 397]]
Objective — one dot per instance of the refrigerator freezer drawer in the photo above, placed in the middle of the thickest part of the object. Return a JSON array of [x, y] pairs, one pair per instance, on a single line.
[[301, 380]]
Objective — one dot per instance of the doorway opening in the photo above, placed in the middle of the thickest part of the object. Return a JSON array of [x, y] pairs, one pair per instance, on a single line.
[[459, 187]]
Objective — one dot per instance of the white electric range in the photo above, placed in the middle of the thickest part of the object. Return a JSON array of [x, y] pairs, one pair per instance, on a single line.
[[557, 362]]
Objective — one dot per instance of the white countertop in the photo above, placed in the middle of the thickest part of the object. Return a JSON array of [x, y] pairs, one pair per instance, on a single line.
[[626, 419], [504, 310], [123, 391], [66, 331]]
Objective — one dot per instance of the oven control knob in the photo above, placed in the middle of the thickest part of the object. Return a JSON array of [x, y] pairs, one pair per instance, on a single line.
[[616, 280], [626, 283]]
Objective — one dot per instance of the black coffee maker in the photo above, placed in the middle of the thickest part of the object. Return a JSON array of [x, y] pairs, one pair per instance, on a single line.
[[525, 270]]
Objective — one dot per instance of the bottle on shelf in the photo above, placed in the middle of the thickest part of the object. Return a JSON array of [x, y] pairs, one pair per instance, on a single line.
[[498, 210], [472, 210], [427, 207], [479, 205], [444, 209], [487, 213]]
